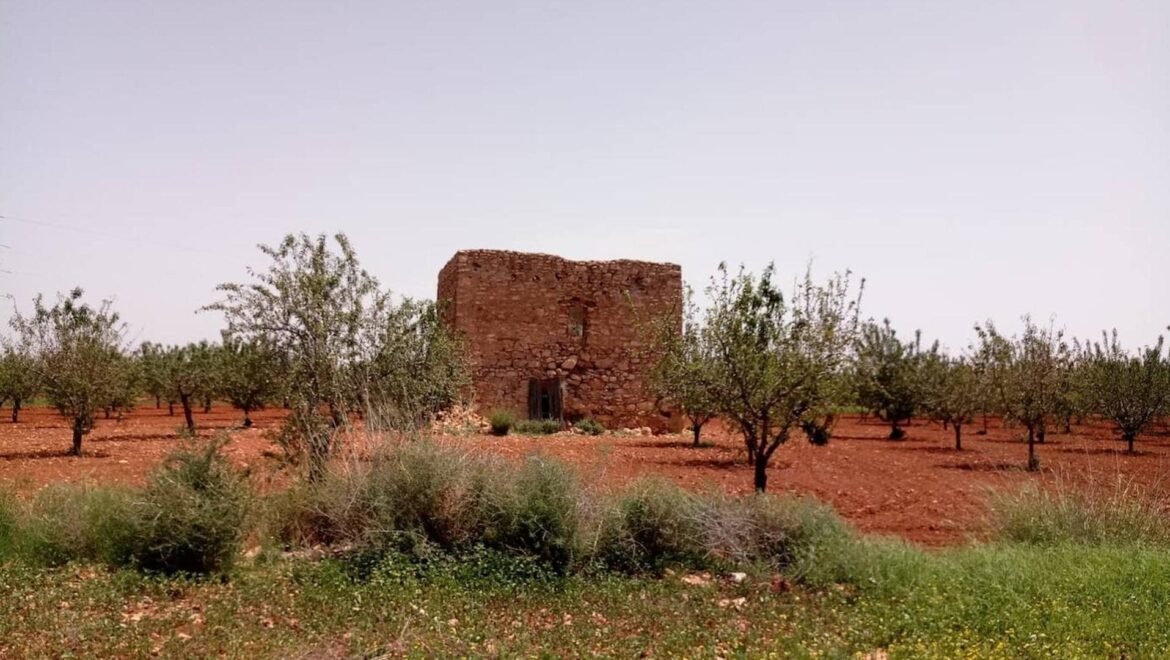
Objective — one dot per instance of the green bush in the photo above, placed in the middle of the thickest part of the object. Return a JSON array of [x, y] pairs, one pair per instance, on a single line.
[[537, 426], [652, 524], [414, 498], [533, 510], [421, 496], [9, 521], [590, 426], [1120, 513], [502, 421], [68, 522], [192, 513]]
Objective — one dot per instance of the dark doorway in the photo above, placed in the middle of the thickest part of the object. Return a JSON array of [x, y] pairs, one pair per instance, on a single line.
[[544, 398]]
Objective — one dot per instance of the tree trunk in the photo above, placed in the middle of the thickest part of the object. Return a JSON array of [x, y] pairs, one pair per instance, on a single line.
[[171, 408], [1033, 464], [761, 472], [247, 417], [15, 411], [186, 401], [157, 402], [207, 405], [1129, 439], [77, 433], [896, 432], [696, 429], [107, 412], [958, 436]]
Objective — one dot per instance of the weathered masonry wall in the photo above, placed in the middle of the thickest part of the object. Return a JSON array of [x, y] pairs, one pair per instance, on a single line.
[[536, 317]]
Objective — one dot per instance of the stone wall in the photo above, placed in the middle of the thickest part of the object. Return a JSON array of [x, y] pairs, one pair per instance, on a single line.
[[531, 317]]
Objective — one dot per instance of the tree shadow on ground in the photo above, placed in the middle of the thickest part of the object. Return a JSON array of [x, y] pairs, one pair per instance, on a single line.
[[1105, 451], [938, 450], [36, 454], [982, 466], [712, 463], [670, 444]]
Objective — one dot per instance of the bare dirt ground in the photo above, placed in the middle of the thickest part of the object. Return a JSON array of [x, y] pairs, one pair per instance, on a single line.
[[919, 488]]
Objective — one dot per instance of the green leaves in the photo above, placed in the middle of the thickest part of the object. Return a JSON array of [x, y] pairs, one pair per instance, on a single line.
[[78, 356]]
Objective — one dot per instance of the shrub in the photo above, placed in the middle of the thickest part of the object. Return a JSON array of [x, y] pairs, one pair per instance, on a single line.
[[652, 525], [537, 426], [534, 511], [796, 534], [8, 523], [192, 513], [414, 498], [1121, 513], [68, 522], [502, 421], [421, 495], [590, 426]]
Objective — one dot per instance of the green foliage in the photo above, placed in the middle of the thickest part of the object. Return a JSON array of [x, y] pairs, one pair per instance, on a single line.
[[19, 378], [653, 525], [344, 344], [888, 375], [776, 363], [189, 518], [1027, 376], [416, 368], [951, 393], [191, 373], [192, 513], [590, 426], [537, 426], [67, 522], [249, 375], [534, 512], [986, 601], [1120, 513], [78, 357], [1130, 391], [502, 421], [685, 369]]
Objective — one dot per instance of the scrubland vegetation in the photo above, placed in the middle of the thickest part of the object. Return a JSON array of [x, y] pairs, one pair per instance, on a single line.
[[396, 545], [425, 550]]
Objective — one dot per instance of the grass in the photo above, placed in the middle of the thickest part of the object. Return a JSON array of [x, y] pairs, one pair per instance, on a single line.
[[1115, 510], [538, 426], [434, 553], [1008, 601]]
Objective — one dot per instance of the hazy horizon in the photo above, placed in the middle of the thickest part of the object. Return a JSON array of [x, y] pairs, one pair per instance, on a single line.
[[970, 161]]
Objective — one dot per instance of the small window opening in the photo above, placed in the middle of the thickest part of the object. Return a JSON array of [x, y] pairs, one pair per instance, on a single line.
[[577, 321]]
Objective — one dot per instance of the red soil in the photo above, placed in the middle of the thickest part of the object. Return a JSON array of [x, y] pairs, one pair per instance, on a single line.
[[919, 488]]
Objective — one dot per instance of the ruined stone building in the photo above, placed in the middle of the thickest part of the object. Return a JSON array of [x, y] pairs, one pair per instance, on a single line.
[[552, 338]]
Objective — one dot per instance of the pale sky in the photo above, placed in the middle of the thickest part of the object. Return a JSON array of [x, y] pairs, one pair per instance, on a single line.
[[972, 160]]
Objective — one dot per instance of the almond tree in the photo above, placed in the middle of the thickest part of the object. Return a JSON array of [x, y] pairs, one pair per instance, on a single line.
[[412, 369], [951, 392], [151, 361], [1131, 391], [249, 375], [684, 370], [887, 375], [189, 372], [317, 308], [775, 362], [19, 377], [78, 351], [1028, 376]]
